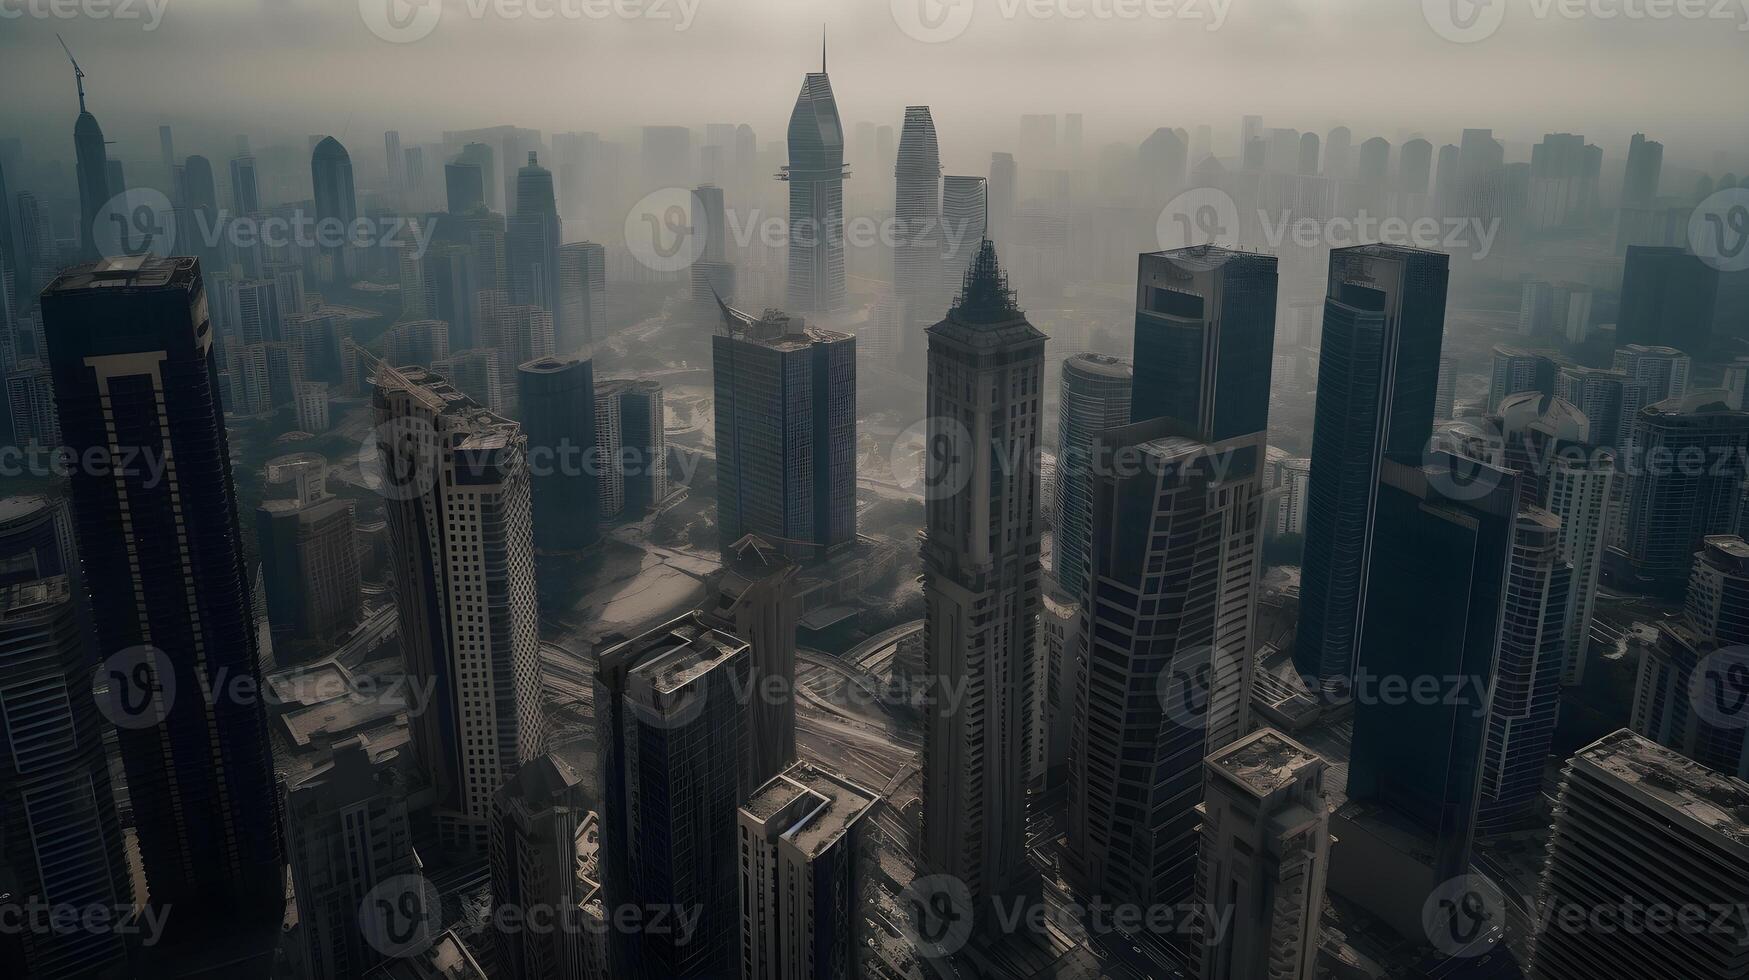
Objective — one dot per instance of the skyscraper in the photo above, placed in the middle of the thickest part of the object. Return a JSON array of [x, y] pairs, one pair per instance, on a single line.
[[1265, 855], [981, 582], [557, 396], [816, 198], [1639, 186], [455, 483], [1384, 320], [1175, 529], [673, 734], [60, 841], [92, 167], [309, 559], [532, 246], [1530, 660], [964, 224], [1668, 298], [464, 185], [756, 600], [1640, 827], [245, 196], [917, 242], [643, 445], [582, 315], [336, 198], [36, 541], [1436, 585], [804, 864], [1095, 396], [534, 857], [785, 433], [1671, 504], [131, 352]]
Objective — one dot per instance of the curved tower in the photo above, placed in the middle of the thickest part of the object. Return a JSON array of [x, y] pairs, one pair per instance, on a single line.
[[917, 218], [816, 198]]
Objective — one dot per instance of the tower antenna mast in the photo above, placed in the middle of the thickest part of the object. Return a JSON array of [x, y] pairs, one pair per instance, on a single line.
[[78, 73]]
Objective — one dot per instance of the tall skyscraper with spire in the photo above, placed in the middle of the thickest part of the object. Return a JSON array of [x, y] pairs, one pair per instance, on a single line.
[[816, 197], [981, 583], [92, 167], [533, 246]]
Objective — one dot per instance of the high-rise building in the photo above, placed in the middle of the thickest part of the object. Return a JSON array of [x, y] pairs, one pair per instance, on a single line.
[[131, 352], [36, 541], [582, 318], [91, 164], [1095, 396], [981, 582], [1530, 660], [1668, 298], [1384, 320], [479, 375], [60, 841], [1296, 482], [1204, 340], [1639, 186], [1265, 854], [673, 733], [393, 161], [757, 601], [245, 196], [336, 197], [1003, 192], [610, 477], [464, 186], [348, 830], [557, 402], [1715, 618], [1175, 530], [532, 245], [455, 483], [785, 432], [1639, 827], [917, 245], [1517, 370], [1436, 587], [30, 400], [309, 560], [1578, 488], [964, 224], [804, 862], [416, 343], [643, 445], [1660, 372], [1671, 504], [538, 814], [816, 198], [1609, 400]]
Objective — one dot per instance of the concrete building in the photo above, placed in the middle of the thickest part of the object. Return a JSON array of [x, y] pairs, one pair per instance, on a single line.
[[981, 583], [582, 314], [1265, 857], [803, 870], [456, 488], [537, 817], [309, 563], [673, 741], [1640, 827], [756, 600]]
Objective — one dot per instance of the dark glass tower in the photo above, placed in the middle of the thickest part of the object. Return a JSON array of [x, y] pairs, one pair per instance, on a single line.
[[533, 245], [336, 200], [1667, 299], [558, 415], [136, 382], [1384, 322], [785, 433], [1437, 590], [816, 197]]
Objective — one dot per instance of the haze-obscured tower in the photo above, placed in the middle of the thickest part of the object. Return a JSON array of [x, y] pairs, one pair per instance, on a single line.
[[981, 582], [557, 396], [816, 175]]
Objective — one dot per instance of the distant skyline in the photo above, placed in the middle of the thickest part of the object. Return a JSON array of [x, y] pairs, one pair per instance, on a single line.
[[210, 66]]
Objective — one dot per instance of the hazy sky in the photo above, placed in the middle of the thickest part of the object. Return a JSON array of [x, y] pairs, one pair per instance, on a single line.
[[293, 67]]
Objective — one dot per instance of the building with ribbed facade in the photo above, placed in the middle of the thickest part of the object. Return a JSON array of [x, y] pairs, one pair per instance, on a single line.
[[537, 817], [456, 491], [557, 402], [1095, 396], [981, 583], [756, 600], [815, 176], [1638, 827], [804, 862], [1265, 855], [1672, 502], [581, 318], [917, 245]]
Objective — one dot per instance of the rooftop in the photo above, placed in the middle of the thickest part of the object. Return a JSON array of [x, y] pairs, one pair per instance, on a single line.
[[1686, 791], [128, 271], [1103, 365], [817, 807], [1265, 761]]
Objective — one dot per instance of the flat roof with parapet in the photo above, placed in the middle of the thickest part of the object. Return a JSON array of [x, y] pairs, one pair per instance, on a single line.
[[1686, 791], [1264, 762], [125, 272], [830, 806], [675, 656]]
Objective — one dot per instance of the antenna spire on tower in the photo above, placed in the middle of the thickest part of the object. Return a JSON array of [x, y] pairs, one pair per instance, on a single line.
[[78, 73], [822, 49]]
